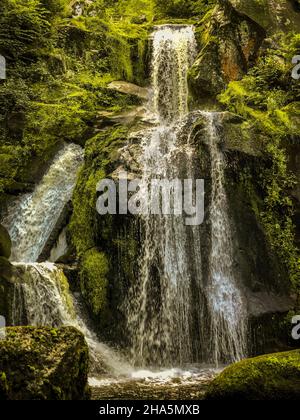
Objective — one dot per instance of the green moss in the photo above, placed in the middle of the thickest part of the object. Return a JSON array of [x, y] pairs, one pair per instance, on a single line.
[[43, 364], [58, 71], [269, 100], [106, 245], [87, 237], [269, 377], [94, 281], [101, 152], [184, 8]]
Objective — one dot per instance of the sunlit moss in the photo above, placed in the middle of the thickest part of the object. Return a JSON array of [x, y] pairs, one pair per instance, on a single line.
[[269, 100], [268, 377]]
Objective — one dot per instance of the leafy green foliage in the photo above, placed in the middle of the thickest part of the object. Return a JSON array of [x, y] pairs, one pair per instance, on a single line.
[[24, 27], [58, 70]]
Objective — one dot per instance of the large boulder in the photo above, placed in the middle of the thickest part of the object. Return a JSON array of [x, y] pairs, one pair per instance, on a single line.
[[43, 364], [272, 15], [229, 46], [231, 39], [269, 377]]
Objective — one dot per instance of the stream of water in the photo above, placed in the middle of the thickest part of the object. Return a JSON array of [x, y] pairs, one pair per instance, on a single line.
[[175, 315], [32, 217], [183, 324]]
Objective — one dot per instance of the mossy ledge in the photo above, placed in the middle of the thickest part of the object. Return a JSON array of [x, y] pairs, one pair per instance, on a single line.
[[106, 246], [269, 377], [43, 364]]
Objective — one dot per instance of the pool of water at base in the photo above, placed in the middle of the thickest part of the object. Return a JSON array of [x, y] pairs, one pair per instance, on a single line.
[[168, 384]]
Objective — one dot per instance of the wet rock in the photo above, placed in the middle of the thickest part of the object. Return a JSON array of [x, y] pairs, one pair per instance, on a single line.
[[5, 243], [6, 288], [229, 47], [126, 118], [43, 364], [262, 303], [55, 234], [130, 89], [239, 137], [269, 377]]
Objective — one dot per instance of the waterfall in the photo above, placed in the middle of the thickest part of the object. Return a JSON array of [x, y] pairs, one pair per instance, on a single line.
[[226, 301], [176, 315], [32, 217], [174, 49], [184, 308], [42, 298], [41, 294]]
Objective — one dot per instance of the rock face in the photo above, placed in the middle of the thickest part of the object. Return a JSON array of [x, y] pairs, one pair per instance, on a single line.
[[272, 15], [6, 271], [43, 364], [129, 89], [231, 38], [6, 288], [270, 377], [5, 243], [228, 47]]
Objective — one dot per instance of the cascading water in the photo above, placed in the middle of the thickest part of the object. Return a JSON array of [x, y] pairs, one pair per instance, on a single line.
[[159, 315], [42, 298], [32, 217], [178, 312], [174, 48], [226, 302], [175, 316], [41, 291]]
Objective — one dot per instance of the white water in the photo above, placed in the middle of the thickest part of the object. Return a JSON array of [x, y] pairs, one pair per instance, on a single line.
[[225, 299], [174, 49], [159, 309], [60, 248], [32, 217], [176, 316], [42, 298]]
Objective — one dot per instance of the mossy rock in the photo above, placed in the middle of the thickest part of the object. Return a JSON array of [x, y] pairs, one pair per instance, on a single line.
[[5, 243], [43, 364], [229, 45], [272, 15], [269, 377], [93, 278]]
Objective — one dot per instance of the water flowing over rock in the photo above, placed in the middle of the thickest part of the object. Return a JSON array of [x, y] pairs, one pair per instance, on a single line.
[[41, 298], [32, 217], [226, 300], [178, 314]]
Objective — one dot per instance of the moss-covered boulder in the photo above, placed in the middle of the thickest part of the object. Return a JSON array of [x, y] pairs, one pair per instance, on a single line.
[[273, 15], [5, 243], [107, 246], [43, 364], [268, 377], [229, 44]]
